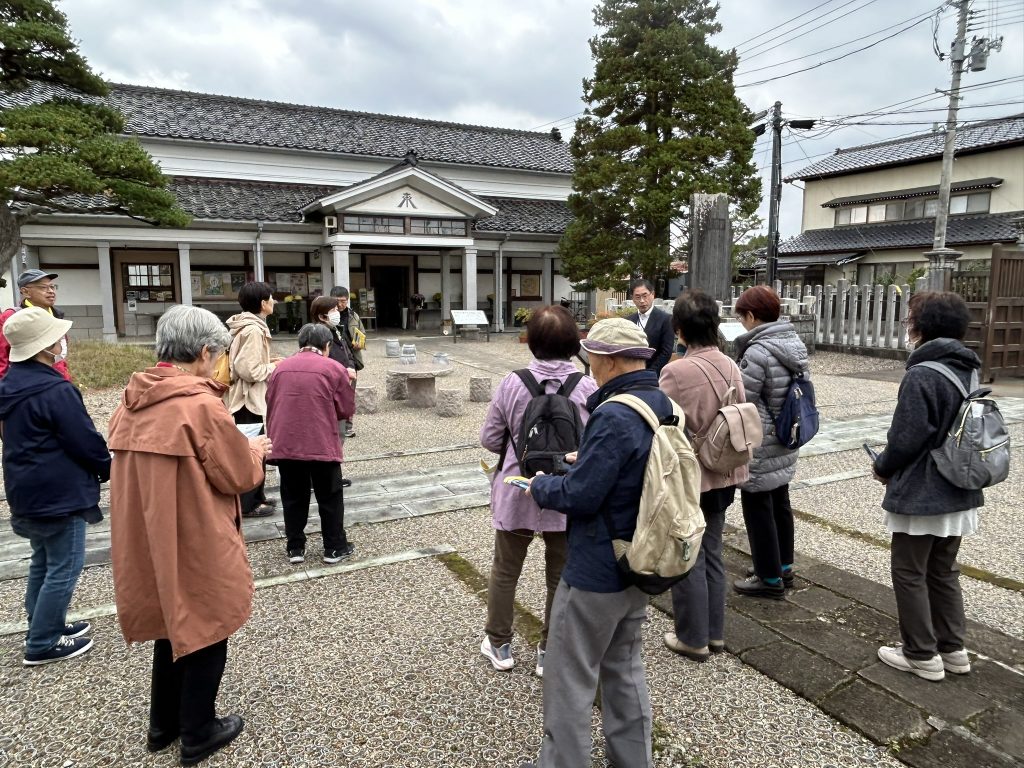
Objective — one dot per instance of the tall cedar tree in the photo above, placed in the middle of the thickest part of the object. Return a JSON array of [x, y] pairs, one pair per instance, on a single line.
[[60, 150], [663, 122]]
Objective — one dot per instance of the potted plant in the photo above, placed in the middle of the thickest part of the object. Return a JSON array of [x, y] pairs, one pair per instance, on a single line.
[[521, 316], [436, 298]]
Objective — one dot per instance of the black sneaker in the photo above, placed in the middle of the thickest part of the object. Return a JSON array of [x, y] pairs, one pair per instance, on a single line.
[[66, 648], [266, 509], [752, 586], [345, 482], [76, 629], [222, 732], [787, 577], [337, 555], [296, 555]]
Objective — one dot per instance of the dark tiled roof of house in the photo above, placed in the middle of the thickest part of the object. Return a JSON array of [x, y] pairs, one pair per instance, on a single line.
[[233, 200], [990, 134], [549, 217], [970, 229], [989, 182], [164, 113]]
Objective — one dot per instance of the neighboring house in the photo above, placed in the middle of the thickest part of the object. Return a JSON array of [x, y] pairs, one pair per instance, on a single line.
[[308, 198], [869, 211]]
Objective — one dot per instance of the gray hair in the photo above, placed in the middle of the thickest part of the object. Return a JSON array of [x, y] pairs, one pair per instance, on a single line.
[[183, 331], [315, 335]]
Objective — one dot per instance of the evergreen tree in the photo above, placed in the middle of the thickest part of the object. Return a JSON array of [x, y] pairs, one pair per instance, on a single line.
[[662, 122], [60, 149]]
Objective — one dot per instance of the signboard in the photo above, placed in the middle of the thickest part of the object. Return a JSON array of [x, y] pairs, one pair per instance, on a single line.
[[469, 317]]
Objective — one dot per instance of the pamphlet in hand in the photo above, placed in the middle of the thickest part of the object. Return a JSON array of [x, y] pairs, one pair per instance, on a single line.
[[250, 430], [518, 481]]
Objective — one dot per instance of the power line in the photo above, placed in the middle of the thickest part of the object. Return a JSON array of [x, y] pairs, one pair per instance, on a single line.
[[799, 27], [813, 29], [779, 26], [829, 61]]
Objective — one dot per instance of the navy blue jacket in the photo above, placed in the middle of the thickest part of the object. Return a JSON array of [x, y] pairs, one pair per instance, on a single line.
[[53, 458], [925, 408], [608, 476]]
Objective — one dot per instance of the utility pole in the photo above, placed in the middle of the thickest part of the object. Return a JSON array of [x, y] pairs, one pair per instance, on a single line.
[[959, 55], [775, 194]]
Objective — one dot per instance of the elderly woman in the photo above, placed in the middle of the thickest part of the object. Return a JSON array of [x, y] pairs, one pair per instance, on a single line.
[[308, 395], [324, 310], [770, 355], [697, 382], [553, 339], [251, 366], [179, 465], [925, 513], [54, 461]]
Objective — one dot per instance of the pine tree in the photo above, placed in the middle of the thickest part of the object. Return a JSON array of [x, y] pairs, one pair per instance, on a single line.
[[662, 122], [61, 149]]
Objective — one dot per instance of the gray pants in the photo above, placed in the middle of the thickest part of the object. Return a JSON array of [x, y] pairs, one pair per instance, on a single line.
[[595, 637], [698, 601], [926, 580]]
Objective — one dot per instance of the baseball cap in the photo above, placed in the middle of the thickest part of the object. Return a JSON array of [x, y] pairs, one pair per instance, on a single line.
[[32, 275], [617, 336]]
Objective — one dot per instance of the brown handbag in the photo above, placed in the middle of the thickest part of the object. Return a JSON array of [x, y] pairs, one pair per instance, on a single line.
[[735, 430]]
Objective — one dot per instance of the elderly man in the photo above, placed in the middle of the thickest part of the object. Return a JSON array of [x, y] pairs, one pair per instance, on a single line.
[[596, 618], [656, 324], [37, 290]]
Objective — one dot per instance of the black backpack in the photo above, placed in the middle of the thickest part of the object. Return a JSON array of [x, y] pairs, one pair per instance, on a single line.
[[551, 427]]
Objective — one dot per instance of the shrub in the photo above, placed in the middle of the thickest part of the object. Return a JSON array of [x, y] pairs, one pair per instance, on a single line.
[[99, 364]]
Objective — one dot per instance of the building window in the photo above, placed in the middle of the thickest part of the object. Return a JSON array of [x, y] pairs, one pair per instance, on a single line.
[[919, 208], [876, 212], [451, 227], [859, 214], [379, 225], [842, 216], [894, 211], [148, 276]]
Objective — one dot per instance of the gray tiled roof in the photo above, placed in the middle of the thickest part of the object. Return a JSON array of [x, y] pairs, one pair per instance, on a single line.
[[912, 149], [962, 230], [163, 113], [234, 200]]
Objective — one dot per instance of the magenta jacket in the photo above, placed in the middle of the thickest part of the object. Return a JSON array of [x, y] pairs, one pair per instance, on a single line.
[[307, 395], [511, 509]]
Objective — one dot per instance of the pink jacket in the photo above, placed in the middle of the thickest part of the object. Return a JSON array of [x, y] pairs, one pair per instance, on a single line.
[[307, 395], [684, 381], [511, 509]]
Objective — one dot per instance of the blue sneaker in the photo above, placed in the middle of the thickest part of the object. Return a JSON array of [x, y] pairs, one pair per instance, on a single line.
[[500, 658], [77, 629], [66, 648]]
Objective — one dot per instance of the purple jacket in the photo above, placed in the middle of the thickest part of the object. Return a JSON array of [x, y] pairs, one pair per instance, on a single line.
[[511, 509], [307, 395]]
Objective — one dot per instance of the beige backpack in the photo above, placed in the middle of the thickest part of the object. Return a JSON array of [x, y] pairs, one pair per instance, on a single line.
[[670, 525], [734, 432]]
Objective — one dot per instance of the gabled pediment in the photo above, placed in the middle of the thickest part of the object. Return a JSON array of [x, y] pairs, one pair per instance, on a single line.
[[404, 190]]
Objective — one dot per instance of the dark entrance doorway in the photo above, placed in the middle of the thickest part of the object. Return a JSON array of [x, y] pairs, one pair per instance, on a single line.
[[391, 290]]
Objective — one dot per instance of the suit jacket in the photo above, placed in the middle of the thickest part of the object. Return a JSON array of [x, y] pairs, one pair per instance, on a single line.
[[659, 335]]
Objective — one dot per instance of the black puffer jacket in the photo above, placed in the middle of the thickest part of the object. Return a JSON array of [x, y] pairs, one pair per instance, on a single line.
[[925, 408]]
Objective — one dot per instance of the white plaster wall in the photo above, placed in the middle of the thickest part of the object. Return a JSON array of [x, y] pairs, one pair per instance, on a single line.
[[231, 162], [1006, 164], [49, 254], [79, 287], [562, 288]]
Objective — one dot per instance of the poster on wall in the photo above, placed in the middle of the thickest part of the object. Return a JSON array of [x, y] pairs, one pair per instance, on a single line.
[[237, 281], [529, 285], [213, 284], [197, 283], [316, 284], [298, 285], [283, 281]]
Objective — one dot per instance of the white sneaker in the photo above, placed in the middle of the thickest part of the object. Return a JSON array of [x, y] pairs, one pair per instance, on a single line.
[[539, 669], [930, 669], [956, 662], [500, 658]]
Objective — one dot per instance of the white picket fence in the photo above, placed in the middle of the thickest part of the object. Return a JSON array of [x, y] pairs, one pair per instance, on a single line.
[[870, 316]]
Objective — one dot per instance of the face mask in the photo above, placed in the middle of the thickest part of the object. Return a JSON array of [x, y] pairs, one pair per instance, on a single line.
[[334, 317], [61, 356]]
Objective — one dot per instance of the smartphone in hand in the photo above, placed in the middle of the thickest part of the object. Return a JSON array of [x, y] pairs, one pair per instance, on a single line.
[[518, 481], [871, 452]]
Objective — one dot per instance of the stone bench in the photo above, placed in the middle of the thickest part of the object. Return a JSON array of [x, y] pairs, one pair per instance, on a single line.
[[367, 399], [450, 402], [396, 387], [480, 389]]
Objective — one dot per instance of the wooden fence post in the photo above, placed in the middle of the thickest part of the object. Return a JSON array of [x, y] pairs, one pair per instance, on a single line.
[[851, 320], [901, 338], [865, 314]]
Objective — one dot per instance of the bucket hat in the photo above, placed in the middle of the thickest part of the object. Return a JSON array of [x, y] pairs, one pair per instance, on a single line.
[[619, 337], [31, 330]]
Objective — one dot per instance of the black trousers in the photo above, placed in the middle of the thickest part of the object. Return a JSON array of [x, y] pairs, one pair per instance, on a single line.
[[768, 517], [258, 495], [183, 693], [297, 477], [926, 580]]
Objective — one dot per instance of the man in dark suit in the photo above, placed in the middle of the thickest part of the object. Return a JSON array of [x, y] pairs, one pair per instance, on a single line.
[[654, 322]]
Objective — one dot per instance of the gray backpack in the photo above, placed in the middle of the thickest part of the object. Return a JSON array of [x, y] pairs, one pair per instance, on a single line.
[[976, 452]]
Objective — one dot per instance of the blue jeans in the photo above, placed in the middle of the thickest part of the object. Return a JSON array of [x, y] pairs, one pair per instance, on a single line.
[[58, 554]]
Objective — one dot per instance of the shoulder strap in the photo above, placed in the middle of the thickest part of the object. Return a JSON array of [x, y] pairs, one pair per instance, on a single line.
[[535, 388], [945, 371], [648, 414], [570, 383]]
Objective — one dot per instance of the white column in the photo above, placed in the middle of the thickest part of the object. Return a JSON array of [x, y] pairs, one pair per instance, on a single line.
[[185, 273], [469, 278], [107, 292], [497, 291], [339, 252], [446, 284], [325, 272], [545, 278]]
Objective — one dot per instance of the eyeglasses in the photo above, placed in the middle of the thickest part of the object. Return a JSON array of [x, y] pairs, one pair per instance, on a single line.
[[44, 287], [642, 296]]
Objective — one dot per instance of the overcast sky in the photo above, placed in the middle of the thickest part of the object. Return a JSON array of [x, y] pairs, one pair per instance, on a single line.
[[520, 64]]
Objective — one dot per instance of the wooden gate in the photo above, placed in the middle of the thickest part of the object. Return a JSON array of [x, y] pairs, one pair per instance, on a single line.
[[1002, 352]]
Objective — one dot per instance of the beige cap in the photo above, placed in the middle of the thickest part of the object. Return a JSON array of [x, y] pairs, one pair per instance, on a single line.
[[617, 336], [31, 330]]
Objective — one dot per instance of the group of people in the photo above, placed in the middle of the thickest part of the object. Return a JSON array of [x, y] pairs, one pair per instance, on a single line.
[[591, 637], [183, 471]]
